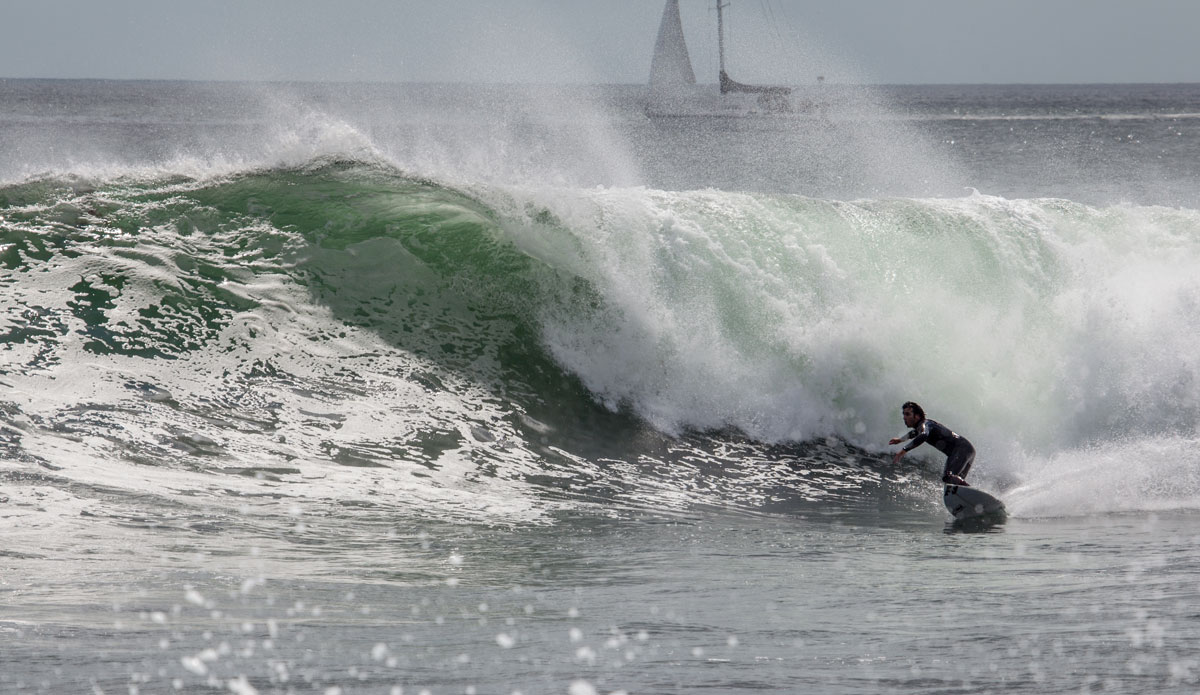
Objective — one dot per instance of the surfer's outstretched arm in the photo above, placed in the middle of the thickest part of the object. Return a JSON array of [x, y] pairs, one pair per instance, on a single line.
[[896, 440]]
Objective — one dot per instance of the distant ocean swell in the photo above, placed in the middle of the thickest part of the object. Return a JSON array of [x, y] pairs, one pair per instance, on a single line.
[[345, 310]]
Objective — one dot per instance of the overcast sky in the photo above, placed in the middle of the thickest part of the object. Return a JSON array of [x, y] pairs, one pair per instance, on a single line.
[[603, 41]]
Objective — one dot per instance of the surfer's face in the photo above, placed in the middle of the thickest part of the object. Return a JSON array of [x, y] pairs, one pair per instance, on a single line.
[[910, 418]]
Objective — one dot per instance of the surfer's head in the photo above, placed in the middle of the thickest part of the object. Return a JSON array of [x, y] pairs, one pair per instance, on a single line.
[[913, 414]]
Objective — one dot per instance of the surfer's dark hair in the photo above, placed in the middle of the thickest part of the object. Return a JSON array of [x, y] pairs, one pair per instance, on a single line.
[[915, 408]]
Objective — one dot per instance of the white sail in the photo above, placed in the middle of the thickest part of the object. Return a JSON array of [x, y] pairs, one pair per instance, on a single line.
[[673, 90], [671, 68]]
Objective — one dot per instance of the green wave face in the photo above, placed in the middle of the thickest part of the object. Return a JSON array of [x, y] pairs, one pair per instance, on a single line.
[[167, 269], [155, 261]]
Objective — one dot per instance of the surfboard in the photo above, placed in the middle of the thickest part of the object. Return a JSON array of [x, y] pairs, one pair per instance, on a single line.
[[968, 503]]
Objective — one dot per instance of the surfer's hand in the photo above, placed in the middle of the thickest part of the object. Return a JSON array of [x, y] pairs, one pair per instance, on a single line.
[[899, 455], [895, 440]]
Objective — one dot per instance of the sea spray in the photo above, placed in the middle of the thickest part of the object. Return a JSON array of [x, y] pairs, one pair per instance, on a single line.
[[1040, 323], [1126, 474]]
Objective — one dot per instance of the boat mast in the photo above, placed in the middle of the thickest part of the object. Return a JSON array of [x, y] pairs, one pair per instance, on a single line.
[[721, 39], [728, 85]]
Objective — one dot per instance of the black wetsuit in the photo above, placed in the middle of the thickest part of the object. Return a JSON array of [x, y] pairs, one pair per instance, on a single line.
[[959, 452]]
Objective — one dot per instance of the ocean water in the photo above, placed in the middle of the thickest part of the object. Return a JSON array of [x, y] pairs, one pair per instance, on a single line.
[[441, 389]]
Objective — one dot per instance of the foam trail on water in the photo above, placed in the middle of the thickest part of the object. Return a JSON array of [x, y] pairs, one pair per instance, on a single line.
[[1136, 474]]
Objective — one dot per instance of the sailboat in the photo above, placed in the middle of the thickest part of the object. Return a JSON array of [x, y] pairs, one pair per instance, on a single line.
[[673, 90]]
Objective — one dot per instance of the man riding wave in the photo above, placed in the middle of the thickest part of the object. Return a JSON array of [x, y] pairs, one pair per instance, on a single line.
[[960, 454]]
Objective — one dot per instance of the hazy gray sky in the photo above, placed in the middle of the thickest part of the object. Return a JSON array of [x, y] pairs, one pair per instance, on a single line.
[[571, 41]]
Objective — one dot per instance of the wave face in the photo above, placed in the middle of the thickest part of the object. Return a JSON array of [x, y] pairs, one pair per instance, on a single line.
[[343, 311]]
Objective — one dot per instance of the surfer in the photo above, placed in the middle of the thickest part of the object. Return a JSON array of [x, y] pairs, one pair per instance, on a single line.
[[959, 452]]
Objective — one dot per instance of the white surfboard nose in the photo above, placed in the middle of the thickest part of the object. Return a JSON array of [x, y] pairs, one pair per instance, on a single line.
[[966, 502]]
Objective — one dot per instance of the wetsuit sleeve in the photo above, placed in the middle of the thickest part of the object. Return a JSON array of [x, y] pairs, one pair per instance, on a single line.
[[918, 436]]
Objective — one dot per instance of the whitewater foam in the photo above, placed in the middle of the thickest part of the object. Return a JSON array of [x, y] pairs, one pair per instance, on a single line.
[[1034, 321]]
